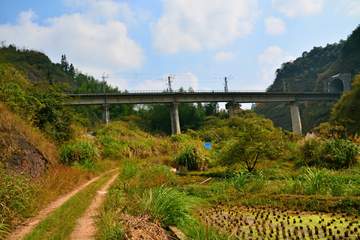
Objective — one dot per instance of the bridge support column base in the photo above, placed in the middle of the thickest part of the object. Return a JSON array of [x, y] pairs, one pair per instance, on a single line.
[[105, 113], [295, 118], [175, 121], [232, 109]]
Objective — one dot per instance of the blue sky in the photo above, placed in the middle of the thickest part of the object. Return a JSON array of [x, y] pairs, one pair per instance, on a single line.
[[141, 42]]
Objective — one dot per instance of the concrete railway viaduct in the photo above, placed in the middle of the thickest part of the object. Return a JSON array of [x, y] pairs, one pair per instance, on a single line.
[[333, 87]]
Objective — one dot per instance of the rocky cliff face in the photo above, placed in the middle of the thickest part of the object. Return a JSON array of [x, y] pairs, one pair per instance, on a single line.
[[27, 159], [22, 148]]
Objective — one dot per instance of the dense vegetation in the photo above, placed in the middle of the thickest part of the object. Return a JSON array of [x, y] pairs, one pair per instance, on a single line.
[[306, 74]]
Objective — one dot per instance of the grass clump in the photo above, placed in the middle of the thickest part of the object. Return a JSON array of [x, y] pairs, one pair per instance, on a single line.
[[81, 151], [168, 206], [192, 156]]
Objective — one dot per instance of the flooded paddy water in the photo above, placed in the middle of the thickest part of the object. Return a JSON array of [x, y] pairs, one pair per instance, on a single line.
[[276, 223]]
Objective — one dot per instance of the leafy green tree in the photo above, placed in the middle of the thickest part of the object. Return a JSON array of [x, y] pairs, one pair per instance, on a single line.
[[252, 145], [64, 63], [211, 108], [72, 70]]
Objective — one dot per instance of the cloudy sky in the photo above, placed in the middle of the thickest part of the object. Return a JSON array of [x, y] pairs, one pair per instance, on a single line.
[[139, 43]]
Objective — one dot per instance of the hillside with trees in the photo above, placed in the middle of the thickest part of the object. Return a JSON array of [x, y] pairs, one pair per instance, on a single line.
[[306, 74]]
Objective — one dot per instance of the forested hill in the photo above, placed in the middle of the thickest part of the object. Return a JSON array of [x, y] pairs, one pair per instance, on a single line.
[[305, 74], [38, 67]]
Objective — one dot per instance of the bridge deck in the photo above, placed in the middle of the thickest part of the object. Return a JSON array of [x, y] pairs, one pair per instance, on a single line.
[[199, 96]]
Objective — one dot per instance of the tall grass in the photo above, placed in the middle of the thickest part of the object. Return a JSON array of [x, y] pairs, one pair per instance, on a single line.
[[15, 198], [81, 151], [129, 169], [316, 181], [204, 232], [192, 155], [159, 175], [240, 180], [168, 206]]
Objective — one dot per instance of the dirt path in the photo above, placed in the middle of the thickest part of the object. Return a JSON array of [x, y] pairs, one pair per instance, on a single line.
[[85, 228], [32, 222]]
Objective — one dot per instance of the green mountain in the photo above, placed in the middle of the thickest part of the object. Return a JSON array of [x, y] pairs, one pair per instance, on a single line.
[[306, 74], [36, 65]]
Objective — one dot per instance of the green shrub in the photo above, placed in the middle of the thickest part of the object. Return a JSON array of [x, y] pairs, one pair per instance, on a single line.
[[180, 138], [79, 151], [193, 134], [308, 150], [191, 156], [168, 206], [332, 154], [210, 136], [338, 153]]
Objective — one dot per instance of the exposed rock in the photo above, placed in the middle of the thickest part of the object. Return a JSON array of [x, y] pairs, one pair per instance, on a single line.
[[31, 77], [29, 160]]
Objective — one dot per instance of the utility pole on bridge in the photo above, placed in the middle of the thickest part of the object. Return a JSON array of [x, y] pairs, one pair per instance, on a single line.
[[104, 80], [226, 89], [105, 107], [172, 76]]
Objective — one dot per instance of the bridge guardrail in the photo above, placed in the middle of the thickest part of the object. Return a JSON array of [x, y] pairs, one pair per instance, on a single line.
[[174, 91]]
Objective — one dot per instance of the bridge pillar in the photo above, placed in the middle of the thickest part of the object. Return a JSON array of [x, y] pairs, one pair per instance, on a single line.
[[175, 121], [295, 118], [232, 107], [105, 113]]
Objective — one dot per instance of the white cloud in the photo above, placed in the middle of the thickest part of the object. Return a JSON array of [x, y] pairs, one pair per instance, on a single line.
[[185, 80], [192, 26], [103, 10], [270, 60], [151, 85], [274, 26], [354, 9], [91, 46], [351, 7], [298, 8], [222, 56]]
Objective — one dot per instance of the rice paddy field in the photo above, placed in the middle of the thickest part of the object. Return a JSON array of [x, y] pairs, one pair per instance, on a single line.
[[247, 222], [306, 204]]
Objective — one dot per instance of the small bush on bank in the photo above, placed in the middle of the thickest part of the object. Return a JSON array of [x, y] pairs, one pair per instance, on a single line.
[[338, 153], [192, 156], [79, 151], [181, 138], [331, 154]]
